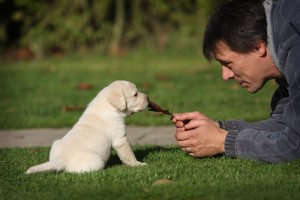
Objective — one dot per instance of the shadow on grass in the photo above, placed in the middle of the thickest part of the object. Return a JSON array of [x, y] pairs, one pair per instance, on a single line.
[[140, 154]]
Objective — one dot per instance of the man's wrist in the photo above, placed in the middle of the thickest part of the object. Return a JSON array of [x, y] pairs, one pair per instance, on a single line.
[[220, 124], [223, 134]]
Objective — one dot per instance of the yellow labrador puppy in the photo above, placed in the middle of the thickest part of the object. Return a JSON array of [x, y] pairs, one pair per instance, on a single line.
[[86, 147]]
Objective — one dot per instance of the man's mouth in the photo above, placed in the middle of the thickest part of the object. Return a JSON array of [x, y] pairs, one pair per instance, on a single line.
[[243, 84]]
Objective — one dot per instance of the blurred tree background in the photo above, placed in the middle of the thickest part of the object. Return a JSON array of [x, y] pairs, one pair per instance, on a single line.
[[30, 28]]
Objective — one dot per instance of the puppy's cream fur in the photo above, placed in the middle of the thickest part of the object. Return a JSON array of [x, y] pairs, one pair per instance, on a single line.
[[86, 147]]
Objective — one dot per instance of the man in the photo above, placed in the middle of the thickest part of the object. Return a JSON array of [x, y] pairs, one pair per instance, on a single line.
[[254, 41]]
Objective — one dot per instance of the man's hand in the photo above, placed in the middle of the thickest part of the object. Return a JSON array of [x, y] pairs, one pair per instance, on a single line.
[[198, 135]]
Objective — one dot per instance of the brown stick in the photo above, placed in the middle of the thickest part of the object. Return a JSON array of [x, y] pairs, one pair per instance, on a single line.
[[156, 108]]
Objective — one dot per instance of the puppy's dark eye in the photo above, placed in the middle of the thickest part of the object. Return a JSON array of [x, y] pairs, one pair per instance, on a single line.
[[136, 94]]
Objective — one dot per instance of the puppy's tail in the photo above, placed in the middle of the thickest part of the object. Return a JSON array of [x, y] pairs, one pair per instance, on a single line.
[[46, 167]]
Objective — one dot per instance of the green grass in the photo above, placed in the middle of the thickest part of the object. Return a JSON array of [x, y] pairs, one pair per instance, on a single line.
[[188, 178], [33, 94]]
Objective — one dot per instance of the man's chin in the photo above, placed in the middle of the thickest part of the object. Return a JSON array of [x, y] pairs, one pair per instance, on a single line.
[[252, 90]]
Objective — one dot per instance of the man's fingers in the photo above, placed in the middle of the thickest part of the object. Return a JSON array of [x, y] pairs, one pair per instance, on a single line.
[[180, 129], [192, 154], [181, 136], [193, 124], [185, 146], [189, 150], [179, 124], [188, 116]]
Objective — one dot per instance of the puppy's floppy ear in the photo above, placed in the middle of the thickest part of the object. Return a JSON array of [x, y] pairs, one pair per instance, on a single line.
[[116, 98]]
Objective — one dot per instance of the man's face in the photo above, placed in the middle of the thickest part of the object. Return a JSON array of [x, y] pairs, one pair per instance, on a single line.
[[250, 70]]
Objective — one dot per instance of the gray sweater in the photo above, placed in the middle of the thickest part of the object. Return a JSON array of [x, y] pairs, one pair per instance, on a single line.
[[276, 139]]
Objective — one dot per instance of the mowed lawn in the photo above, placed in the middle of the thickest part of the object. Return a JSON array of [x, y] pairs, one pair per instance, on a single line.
[[53, 93], [170, 174]]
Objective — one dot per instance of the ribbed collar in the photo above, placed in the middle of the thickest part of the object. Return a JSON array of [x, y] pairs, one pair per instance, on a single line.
[[268, 5]]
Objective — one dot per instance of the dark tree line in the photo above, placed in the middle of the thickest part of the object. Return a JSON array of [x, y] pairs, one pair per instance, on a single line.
[[106, 25]]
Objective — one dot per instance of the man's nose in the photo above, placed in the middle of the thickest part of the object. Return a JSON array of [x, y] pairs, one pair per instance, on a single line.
[[227, 74]]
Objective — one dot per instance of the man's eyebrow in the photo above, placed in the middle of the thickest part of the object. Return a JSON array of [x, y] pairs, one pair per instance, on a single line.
[[223, 61]]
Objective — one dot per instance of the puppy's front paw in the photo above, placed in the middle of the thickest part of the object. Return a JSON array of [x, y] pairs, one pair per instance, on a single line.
[[136, 163]]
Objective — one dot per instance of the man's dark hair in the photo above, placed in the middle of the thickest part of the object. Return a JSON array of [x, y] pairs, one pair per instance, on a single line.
[[241, 24]]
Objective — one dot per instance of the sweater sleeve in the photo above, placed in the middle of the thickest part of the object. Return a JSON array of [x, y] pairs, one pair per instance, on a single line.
[[269, 140]]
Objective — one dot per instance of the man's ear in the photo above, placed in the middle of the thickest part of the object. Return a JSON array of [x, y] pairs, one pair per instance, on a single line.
[[261, 48], [117, 99]]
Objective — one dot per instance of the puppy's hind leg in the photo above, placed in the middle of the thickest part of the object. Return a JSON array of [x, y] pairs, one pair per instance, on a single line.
[[126, 154], [47, 166], [85, 163]]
